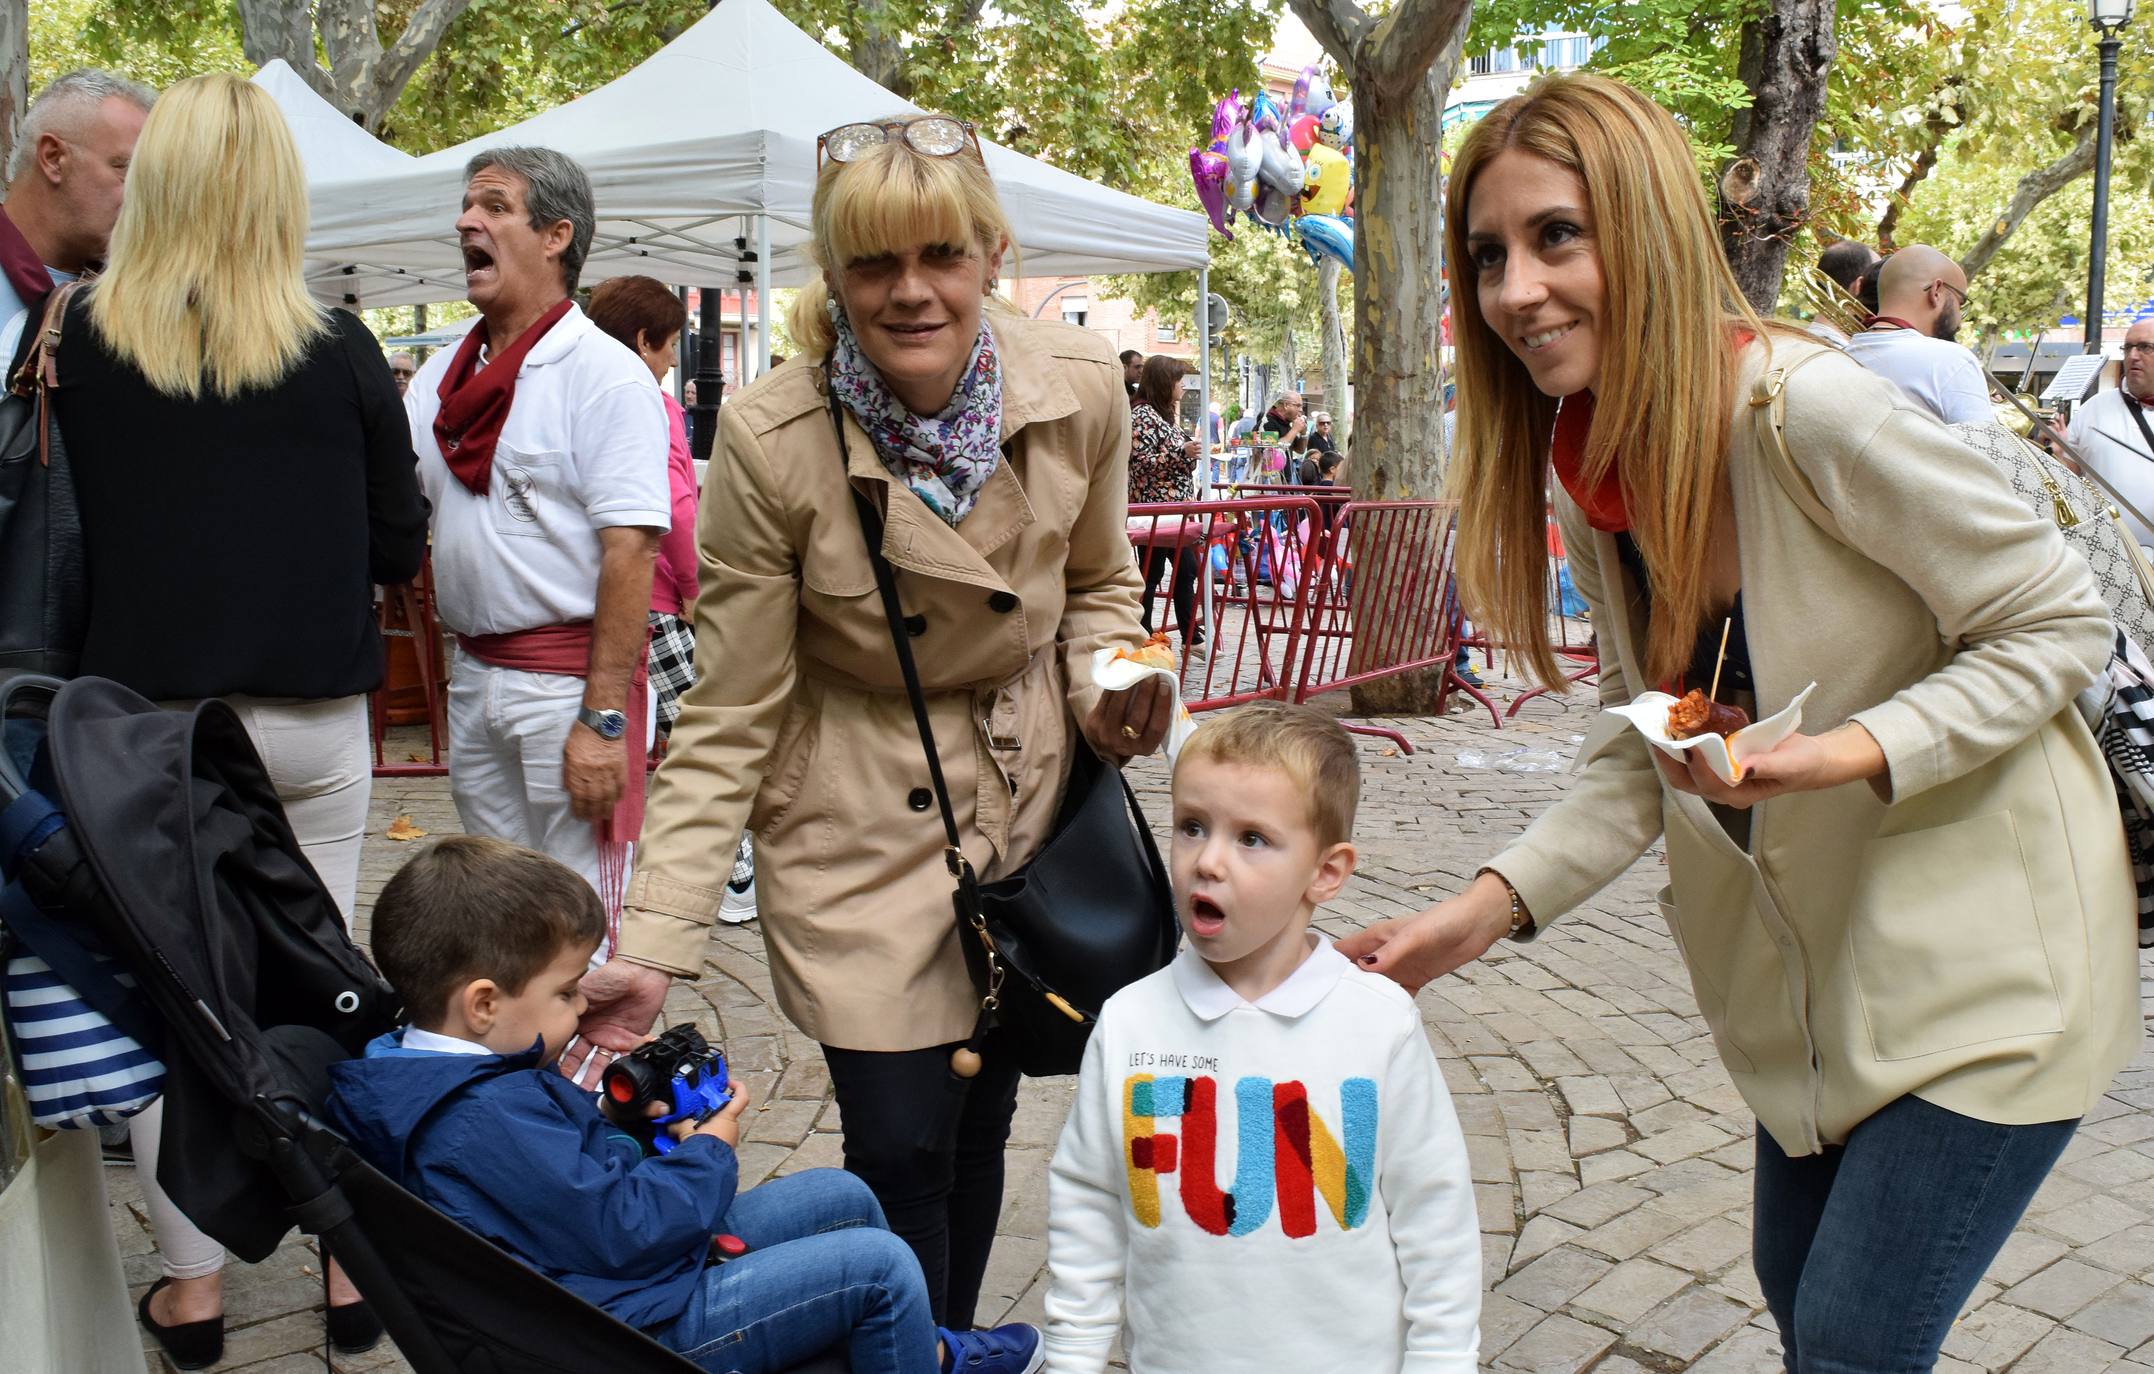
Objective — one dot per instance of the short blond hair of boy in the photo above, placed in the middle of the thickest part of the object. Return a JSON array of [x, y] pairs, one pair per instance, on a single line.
[[1303, 743]]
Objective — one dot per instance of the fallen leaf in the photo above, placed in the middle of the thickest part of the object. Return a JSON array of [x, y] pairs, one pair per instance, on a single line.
[[402, 829], [1388, 753], [416, 757]]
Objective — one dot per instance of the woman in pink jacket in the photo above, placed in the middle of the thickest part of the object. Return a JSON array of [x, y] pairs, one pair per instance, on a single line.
[[645, 314]]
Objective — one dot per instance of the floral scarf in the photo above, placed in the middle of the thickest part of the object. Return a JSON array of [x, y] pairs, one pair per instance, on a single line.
[[943, 459]]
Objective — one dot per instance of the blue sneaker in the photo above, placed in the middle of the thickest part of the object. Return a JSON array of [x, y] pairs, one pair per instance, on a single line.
[[1012, 1349]]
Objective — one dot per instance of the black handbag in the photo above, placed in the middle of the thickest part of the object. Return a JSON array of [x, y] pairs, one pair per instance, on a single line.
[[44, 590], [1090, 914]]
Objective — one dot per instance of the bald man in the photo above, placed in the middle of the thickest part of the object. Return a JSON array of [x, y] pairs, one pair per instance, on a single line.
[[2115, 429], [1920, 293]]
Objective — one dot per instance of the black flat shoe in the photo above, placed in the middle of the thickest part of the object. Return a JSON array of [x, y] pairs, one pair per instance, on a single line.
[[190, 1345], [353, 1328]]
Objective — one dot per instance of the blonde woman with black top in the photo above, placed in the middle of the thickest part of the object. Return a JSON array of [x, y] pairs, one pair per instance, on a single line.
[[245, 477]]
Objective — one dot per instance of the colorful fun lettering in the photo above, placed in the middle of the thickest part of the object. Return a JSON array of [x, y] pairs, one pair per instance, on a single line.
[[1284, 1153]]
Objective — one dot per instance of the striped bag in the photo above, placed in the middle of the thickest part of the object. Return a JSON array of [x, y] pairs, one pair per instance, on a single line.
[[78, 1026]]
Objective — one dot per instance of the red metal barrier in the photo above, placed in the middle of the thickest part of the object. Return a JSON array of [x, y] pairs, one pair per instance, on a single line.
[[1255, 556], [1384, 605], [1572, 641]]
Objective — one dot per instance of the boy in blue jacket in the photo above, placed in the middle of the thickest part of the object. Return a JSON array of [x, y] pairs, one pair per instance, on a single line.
[[487, 942]]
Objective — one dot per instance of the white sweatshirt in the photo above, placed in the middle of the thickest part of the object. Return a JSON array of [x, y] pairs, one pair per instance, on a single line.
[[1274, 1186]]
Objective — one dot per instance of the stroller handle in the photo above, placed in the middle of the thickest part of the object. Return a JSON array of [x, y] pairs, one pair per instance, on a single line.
[[15, 686]]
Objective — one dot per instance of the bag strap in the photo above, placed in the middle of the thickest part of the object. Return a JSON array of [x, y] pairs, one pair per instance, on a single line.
[[1770, 395], [41, 364], [2139, 414], [981, 956]]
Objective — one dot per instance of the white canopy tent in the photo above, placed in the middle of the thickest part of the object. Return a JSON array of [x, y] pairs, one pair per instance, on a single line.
[[703, 163], [333, 148]]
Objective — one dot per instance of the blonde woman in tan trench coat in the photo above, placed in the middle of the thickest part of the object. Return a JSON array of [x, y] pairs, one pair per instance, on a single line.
[[1910, 927], [1013, 566]]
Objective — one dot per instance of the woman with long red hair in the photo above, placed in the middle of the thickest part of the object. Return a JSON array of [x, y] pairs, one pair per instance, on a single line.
[[1909, 926]]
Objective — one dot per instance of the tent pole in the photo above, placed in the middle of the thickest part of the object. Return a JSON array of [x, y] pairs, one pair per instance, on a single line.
[[762, 294], [1204, 383], [710, 381], [1204, 446]]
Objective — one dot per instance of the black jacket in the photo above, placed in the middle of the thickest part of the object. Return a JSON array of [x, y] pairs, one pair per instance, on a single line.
[[233, 546]]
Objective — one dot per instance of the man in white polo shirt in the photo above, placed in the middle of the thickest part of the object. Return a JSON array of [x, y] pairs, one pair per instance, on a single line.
[[542, 445], [2114, 430], [1920, 293]]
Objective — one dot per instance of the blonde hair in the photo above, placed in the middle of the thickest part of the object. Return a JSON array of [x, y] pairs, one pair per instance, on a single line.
[[890, 199], [205, 284], [1667, 371], [1308, 747]]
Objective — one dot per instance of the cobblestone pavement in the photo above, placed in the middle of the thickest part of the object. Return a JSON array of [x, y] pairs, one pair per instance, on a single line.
[[1610, 1154]]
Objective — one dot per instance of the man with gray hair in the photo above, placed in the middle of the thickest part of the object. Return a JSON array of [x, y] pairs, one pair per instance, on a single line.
[[65, 181], [542, 445]]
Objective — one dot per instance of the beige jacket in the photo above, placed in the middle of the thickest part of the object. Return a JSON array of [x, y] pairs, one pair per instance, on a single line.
[[798, 725], [1971, 941]]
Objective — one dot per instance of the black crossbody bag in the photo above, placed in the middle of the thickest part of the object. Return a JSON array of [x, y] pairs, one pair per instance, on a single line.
[[1090, 914]]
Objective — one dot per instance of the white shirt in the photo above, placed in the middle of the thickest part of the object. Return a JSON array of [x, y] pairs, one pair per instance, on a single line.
[[433, 1042], [1182, 1189], [584, 448], [15, 316], [1942, 377], [2102, 428]]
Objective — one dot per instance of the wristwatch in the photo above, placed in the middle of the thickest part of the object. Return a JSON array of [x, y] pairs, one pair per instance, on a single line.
[[608, 724]]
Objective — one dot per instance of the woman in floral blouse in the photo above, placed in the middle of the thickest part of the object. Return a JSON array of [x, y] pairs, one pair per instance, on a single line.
[[1162, 461]]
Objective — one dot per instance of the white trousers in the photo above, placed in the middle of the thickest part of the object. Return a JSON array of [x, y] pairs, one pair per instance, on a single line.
[[318, 760], [507, 729]]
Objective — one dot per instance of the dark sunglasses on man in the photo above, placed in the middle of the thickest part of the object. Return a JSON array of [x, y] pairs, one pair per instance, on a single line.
[[928, 135]]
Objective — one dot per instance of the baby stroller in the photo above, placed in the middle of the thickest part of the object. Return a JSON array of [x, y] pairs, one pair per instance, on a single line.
[[175, 858]]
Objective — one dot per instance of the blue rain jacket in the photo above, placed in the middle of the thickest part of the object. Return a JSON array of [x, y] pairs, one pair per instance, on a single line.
[[520, 1155]]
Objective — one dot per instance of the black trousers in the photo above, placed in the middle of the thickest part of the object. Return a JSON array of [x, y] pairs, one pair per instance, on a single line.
[[929, 1144], [1185, 587]]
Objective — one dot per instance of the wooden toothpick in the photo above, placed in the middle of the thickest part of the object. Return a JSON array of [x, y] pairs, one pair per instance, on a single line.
[[1725, 626]]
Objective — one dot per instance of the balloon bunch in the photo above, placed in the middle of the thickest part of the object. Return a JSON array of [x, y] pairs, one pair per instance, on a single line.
[[1288, 170]]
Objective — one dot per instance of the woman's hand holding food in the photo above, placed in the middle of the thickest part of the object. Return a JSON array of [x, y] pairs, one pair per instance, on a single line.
[[1800, 763]]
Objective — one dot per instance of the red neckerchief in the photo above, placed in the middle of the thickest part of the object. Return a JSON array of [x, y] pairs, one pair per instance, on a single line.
[[23, 268], [474, 406], [1603, 504], [1891, 322]]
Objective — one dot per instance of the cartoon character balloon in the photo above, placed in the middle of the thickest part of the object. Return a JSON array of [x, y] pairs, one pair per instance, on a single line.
[[1312, 93], [1327, 236], [1273, 207], [1335, 127], [1287, 169], [1209, 171], [1330, 177], [1245, 158]]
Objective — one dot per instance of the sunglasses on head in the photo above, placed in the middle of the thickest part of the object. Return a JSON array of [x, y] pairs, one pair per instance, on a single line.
[[928, 135]]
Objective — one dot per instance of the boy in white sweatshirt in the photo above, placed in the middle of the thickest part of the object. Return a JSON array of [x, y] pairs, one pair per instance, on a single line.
[[1262, 1168]]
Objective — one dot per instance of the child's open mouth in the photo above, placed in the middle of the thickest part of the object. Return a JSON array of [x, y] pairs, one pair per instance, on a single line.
[[1206, 919]]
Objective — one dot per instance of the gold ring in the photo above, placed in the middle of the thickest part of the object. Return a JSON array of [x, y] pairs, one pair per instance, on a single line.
[[1129, 732]]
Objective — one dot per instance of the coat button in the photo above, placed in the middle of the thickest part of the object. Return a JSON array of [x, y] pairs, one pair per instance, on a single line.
[[1002, 603], [920, 799], [916, 625]]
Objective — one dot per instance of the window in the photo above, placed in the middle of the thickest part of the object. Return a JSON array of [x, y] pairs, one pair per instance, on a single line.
[[1074, 309], [1165, 333]]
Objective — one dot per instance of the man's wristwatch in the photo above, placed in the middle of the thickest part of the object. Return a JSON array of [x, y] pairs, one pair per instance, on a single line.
[[607, 724]]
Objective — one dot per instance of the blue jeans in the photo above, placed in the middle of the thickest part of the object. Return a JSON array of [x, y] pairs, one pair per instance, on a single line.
[[1867, 1252], [821, 1272]]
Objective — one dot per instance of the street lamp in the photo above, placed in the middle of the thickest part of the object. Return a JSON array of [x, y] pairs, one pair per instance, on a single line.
[[2107, 17]]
